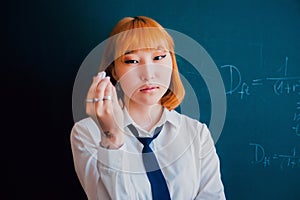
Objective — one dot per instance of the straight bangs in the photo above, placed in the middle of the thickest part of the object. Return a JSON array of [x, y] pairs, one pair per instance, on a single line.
[[142, 38]]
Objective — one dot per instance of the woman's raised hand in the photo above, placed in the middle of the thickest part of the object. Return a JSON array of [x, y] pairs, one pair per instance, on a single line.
[[103, 106]]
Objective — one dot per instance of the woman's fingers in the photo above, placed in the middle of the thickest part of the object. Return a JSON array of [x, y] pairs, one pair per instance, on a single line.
[[107, 94], [90, 107], [96, 80], [99, 92], [107, 100], [106, 109]]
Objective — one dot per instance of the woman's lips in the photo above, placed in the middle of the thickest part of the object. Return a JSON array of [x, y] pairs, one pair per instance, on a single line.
[[148, 89]]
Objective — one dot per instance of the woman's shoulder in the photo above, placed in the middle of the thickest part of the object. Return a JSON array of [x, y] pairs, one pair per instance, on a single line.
[[195, 131], [184, 119], [190, 125]]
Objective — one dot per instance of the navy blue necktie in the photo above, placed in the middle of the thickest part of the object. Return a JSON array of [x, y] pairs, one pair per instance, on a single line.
[[158, 183]]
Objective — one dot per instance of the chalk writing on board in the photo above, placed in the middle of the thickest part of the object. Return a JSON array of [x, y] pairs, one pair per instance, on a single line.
[[282, 85], [234, 72], [290, 160], [235, 79], [296, 120], [285, 84]]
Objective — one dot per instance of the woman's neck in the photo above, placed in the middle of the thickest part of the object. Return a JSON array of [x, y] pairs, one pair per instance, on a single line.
[[146, 116]]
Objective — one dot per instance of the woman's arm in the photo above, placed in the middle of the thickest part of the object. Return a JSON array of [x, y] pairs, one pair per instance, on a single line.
[[99, 169], [84, 149]]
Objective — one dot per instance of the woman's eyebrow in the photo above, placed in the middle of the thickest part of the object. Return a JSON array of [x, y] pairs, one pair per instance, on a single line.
[[129, 52]]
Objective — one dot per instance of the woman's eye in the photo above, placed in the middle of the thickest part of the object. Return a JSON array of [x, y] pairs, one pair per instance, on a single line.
[[159, 57], [131, 61]]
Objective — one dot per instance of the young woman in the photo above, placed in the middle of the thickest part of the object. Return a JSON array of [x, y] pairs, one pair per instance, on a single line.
[[135, 145]]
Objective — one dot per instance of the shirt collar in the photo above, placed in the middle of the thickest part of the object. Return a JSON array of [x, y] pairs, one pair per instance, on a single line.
[[173, 117], [168, 116], [127, 119]]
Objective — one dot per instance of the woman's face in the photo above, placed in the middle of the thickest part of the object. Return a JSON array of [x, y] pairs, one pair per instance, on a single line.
[[144, 75]]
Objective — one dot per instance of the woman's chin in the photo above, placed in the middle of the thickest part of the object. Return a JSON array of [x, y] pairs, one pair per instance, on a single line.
[[145, 101]]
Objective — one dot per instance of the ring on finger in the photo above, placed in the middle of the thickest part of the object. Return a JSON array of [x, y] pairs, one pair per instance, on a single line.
[[108, 97], [93, 100]]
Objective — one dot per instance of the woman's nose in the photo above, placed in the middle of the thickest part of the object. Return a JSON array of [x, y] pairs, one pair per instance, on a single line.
[[147, 72]]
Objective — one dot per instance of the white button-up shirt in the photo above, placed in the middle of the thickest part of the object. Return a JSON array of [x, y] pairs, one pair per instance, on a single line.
[[184, 149]]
